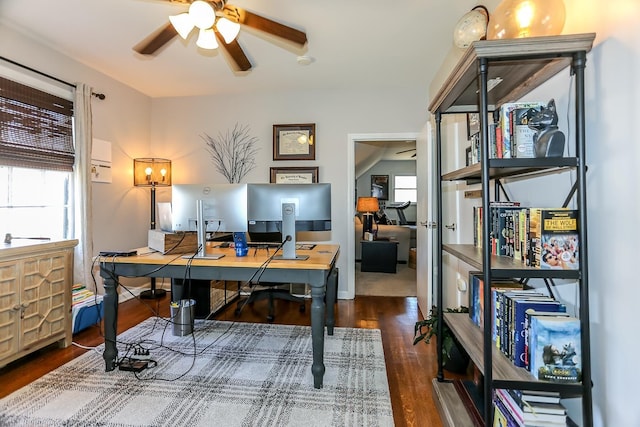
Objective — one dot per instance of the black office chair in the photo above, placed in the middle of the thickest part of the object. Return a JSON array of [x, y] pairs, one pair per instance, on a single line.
[[271, 292]]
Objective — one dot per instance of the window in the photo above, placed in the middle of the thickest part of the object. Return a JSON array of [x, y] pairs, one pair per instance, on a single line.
[[36, 162], [405, 189]]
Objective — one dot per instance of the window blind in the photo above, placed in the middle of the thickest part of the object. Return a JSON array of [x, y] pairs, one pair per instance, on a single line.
[[36, 128]]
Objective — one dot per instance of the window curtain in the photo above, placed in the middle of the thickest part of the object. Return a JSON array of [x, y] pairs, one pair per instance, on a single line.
[[83, 215]]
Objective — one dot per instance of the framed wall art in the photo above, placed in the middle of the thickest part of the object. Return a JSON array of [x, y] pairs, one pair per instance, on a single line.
[[294, 175], [380, 186], [294, 142]]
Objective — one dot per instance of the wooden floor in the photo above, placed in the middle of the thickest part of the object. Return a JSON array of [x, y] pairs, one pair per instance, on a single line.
[[410, 368]]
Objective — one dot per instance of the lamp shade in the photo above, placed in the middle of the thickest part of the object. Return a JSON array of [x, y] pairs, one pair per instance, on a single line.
[[367, 204], [526, 18], [149, 172]]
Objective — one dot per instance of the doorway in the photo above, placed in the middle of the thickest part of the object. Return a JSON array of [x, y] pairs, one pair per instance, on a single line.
[[365, 151]]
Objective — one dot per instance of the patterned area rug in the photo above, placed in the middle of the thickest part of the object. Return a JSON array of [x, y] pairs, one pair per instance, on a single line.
[[224, 374]]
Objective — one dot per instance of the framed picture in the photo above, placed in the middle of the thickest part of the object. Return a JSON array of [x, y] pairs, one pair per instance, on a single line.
[[294, 142], [380, 186], [294, 175], [473, 124]]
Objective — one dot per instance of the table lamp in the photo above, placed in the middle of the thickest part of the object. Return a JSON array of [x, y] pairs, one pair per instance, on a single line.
[[152, 172], [367, 206]]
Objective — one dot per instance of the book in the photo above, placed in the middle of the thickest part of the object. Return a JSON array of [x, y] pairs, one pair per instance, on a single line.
[[536, 417], [553, 234], [559, 240], [555, 348], [501, 234], [476, 295], [520, 306], [527, 322], [545, 408], [538, 396]]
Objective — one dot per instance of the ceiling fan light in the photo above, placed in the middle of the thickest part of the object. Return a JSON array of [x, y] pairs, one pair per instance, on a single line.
[[228, 29], [182, 23], [202, 14], [207, 39]]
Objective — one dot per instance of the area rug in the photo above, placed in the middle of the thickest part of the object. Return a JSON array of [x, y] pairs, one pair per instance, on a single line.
[[224, 374]]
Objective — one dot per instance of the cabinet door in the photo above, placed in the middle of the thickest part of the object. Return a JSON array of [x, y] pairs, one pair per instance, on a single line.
[[9, 309], [43, 297]]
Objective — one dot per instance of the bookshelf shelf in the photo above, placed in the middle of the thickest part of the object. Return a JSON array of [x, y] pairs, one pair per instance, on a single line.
[[504, 267], [489, 74]]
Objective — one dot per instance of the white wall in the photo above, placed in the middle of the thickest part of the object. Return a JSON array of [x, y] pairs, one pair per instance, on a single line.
[[178, 123]]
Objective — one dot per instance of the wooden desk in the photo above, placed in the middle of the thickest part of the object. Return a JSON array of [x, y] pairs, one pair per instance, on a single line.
[[318, 272]]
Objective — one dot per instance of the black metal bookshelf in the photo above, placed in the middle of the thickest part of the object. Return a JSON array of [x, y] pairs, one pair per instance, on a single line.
[[521, 65]]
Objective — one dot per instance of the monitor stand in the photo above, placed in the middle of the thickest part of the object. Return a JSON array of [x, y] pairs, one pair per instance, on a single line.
[[201, 228], [289, 233]]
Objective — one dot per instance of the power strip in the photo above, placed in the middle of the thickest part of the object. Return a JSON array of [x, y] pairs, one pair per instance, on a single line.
[[133, 365]]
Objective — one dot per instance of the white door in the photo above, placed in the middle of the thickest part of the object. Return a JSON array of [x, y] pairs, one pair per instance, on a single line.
[[424, 218]]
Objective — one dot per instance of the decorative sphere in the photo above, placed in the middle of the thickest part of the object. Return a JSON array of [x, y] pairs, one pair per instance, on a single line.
[[526, 18], [471, 27]]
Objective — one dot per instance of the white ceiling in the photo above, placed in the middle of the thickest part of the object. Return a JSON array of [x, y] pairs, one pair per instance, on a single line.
[[353, 43]]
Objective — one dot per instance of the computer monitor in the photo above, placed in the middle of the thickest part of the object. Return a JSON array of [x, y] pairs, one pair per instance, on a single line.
[[224, 207], [284, 209], [206, 208]]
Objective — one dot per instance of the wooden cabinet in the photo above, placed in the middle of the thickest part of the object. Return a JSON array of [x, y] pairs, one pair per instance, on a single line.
[[35, 296], [489, 74]]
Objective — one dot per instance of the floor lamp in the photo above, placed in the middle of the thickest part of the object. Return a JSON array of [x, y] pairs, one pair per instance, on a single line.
[[152, 172]]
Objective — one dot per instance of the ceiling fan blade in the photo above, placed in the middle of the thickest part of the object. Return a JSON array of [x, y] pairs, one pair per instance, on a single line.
[[406, 151], [156, 40], [261, 23], [236, 53]]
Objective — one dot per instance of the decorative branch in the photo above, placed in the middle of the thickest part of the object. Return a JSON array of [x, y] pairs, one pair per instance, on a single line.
[[233, 154]]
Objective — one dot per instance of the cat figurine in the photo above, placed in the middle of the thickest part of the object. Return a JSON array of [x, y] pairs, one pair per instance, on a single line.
[[548, 140]]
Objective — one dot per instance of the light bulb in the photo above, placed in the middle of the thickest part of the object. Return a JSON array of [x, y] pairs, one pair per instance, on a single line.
[[148, 171], [207, 39], [202, 14], [526, 18], [182, 23], [228, 29]]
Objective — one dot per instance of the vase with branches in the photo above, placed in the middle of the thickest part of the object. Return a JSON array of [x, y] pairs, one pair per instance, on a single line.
[[233, 153]]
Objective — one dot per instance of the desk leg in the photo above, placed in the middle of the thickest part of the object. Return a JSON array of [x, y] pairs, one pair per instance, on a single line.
[[110, 302], [317, 332], [332, 292]]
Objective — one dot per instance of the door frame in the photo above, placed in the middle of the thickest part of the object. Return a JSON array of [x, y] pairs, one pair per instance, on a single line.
[[352, 138]]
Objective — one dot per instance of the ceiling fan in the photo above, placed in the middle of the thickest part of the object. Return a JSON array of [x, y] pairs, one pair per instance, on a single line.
[[406, 151], [218, 24]]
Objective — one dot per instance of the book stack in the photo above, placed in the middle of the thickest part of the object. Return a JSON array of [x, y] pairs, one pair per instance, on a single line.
[[511, 136], [515, 408], [86, 308]]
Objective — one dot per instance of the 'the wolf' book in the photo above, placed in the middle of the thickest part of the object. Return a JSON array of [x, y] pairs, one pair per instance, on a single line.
[[555, 347], [554, 238]]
